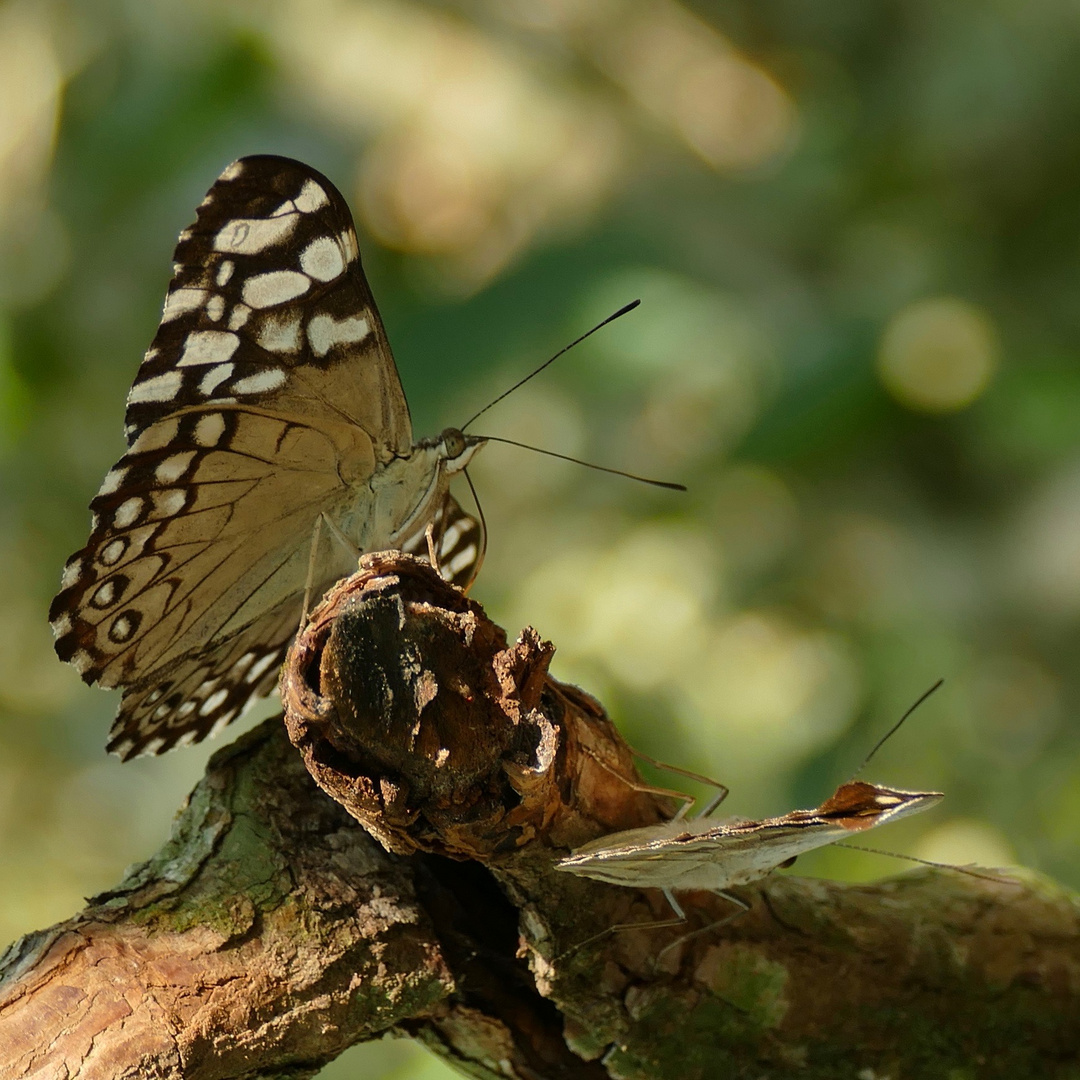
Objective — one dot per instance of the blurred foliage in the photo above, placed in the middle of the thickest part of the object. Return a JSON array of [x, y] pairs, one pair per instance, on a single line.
[[855, 231]]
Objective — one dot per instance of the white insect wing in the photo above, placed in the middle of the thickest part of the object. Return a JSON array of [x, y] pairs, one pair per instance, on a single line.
[[267, 402], [702, 854]]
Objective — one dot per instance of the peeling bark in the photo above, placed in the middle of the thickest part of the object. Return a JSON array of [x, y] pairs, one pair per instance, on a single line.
[[272, 932]]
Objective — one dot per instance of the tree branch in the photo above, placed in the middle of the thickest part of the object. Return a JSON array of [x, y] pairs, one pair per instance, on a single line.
[[271, 932]]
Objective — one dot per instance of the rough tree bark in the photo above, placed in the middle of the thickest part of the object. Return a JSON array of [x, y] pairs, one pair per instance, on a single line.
[[271, 932]]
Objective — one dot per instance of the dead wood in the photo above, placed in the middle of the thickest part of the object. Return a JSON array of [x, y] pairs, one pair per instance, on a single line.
[[272, 932]]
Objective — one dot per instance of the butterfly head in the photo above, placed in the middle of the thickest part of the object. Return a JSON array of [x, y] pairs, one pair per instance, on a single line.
[[457, 449]]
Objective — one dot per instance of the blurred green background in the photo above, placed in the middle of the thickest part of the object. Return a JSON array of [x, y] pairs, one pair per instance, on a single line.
[[855, 232]]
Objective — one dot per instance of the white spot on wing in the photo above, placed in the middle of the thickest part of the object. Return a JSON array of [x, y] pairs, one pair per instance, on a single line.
[[186, 710], [157, 435], [249, 236], [349, 245], [274, 287], [159, 388], [233, 171], [209, 429], [224, 272], [452, 535], [238, 316], [172, 468], [311, 198], [270, 379], [123, 626], [113, 479], [324, 332], [213, 701], [72, 573], [322, 259], [180, 301], [223, 721], [258, 669], [280, 335], [169, 503], [215, 307], [112, 552], [127, 513], [81, 661], [104, 595], [62, 624], [208, 347], [214, 378], [465, 557]]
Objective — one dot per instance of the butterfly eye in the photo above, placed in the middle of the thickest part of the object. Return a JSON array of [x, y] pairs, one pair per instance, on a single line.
[[453, 442]]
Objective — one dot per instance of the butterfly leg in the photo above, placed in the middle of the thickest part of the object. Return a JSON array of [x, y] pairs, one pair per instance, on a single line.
[[433, 547], [309, 584], [316, 535], [341, 538]]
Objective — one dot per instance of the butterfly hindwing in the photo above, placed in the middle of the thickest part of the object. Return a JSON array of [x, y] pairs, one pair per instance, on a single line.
[[198, 695], [460, 544]]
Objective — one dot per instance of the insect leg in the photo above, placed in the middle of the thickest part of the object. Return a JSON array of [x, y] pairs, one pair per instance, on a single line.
[[310, 582], [741, 905], [645, 789], [618, 928], [648, 789], [341, 538], [717, 799]]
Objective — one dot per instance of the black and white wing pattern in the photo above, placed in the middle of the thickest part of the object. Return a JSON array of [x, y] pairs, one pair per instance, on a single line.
[[267, 400], [459, 539]]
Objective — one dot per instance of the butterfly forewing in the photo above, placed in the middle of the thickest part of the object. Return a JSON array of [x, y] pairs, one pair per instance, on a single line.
[[268, 301], [268, 399]]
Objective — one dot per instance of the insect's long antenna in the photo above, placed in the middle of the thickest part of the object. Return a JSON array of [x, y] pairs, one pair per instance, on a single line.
[[926, 862], [896, 727], [588, 464], [532, 374]]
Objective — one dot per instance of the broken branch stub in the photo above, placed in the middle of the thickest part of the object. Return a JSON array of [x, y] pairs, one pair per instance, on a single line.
[[413, 712]]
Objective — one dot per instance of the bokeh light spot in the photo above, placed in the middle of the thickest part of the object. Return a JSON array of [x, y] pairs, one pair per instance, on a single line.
[[965, 842], [938, 355]]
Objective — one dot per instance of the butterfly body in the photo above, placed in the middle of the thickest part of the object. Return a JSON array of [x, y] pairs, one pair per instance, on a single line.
[[704, 854], [268, 404]]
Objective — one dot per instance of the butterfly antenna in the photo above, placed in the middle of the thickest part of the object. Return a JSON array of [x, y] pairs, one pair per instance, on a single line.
[[483, 526], [532, 374], [588, 464], [896, 727]]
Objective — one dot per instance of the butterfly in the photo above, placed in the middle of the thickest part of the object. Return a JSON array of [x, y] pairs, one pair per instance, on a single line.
[[703, 854], [269, 442]]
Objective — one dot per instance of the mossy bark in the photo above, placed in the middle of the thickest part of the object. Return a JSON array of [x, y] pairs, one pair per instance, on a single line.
[[271, 932]]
